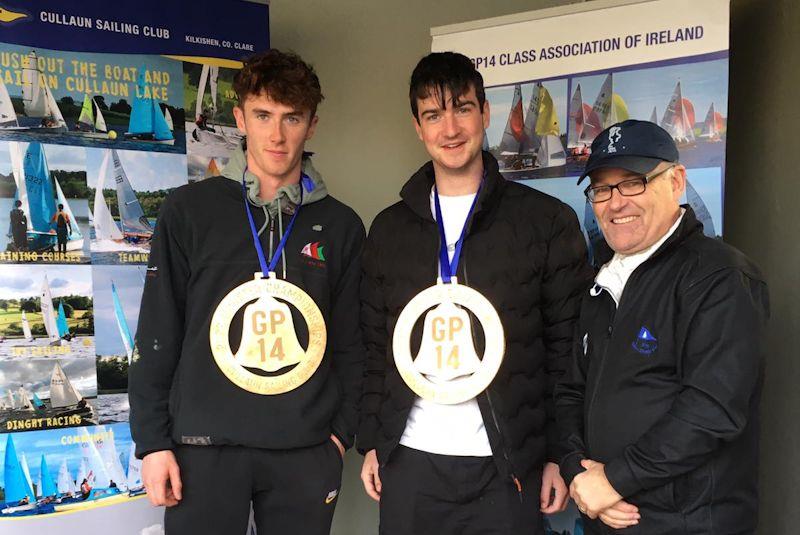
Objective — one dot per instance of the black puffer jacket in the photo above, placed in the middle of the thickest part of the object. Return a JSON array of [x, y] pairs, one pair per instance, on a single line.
[[524, 251]]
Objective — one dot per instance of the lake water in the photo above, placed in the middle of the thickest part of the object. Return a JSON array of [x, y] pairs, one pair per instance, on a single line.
[[112, 408]]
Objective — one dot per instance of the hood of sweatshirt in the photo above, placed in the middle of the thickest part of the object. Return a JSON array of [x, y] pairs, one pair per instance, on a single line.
[[288, 196]]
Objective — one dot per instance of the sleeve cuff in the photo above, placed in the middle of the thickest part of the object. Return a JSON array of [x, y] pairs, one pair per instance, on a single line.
[[570, 466], [143, 450]]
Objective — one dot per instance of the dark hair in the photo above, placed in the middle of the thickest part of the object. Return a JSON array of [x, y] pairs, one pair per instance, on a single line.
[[442, 72], [60, 206], [283, 76], [18, 203]]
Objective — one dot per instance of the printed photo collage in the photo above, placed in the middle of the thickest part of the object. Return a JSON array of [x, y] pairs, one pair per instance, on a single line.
[[541, 131], [90, 146]]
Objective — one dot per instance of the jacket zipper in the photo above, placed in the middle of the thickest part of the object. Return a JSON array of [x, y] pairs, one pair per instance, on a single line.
[[609, 333], [514, 478]]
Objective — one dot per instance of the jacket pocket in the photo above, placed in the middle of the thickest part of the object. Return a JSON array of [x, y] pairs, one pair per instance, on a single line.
[[659, 498], [694, 490]]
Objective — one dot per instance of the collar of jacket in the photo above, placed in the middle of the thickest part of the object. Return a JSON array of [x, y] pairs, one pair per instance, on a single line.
[[688, 227], [287, 196], [416, 193]]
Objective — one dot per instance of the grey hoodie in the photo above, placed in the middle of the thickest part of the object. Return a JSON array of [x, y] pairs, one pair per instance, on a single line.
[[287, 198]]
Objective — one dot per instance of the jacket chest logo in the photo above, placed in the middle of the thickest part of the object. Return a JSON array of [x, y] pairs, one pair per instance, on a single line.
[[645, 343], [313, 254]]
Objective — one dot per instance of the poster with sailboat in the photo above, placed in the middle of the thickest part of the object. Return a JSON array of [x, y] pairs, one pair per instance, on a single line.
[[689, 100], [91, 99], [117, 293], [211, 132], [46, 394], [46, 312], [527, 132], [80, 470], [127, 189], [43, 204]]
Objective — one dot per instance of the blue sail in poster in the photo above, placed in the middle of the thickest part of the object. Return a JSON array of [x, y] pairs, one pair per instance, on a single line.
[[48, 485], [15, 485], [146, 117], [39, 187], [61, 321], [122, 323]]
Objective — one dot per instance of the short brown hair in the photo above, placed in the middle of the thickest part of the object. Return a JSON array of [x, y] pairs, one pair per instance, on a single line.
[[283, 76]]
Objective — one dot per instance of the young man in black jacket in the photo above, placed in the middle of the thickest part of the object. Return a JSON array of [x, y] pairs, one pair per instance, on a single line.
[[659, 409], [269, 424], [485, 465]]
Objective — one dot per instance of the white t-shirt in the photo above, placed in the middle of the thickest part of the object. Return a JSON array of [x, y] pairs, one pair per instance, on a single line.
[[614, 275], [448, 429]]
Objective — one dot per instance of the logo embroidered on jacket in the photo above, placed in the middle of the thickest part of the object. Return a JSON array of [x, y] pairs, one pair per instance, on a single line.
[[331, 496], [645, 342], [314, 250]]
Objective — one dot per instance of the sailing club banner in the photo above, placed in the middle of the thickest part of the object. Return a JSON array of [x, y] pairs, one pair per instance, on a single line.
[[555, 78], [202, 28], [104, 109]]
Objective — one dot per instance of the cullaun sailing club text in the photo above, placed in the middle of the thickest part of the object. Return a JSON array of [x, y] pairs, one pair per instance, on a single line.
[[104, 25]]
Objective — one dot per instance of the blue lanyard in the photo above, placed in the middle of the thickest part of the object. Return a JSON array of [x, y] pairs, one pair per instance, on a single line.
[[448, 268], [267, 269]]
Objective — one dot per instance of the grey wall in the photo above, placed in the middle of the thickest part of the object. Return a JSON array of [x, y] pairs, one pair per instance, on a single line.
[[761, 216], [364, 52]]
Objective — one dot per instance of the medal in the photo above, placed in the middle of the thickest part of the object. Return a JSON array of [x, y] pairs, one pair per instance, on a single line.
[[447, 369], [269, 359]]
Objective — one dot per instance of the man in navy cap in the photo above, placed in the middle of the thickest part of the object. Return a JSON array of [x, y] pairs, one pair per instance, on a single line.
[[658, 411]]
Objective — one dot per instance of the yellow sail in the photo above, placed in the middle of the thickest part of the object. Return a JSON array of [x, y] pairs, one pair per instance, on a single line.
[[547, 122], [619, 109]]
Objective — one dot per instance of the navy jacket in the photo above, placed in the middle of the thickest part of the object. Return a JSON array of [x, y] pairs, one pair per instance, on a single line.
[[664, 387]]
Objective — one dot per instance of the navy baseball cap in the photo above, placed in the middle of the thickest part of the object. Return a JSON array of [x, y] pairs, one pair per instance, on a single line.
[[637, 146]]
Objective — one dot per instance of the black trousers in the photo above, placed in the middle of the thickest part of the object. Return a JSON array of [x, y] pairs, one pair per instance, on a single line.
[[292, 491], [424, 493], [62, 237]]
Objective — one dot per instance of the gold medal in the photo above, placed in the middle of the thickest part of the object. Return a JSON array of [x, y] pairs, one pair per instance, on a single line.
[[269, 342], [447, 369]]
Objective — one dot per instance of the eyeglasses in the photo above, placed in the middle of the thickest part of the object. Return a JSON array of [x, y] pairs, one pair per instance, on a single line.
[[626, 188]]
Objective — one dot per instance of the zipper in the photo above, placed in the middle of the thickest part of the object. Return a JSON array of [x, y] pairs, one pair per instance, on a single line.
[[514, 478], [609, 334]]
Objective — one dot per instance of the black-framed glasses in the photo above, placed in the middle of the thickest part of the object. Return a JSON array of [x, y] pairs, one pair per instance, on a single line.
[[626, 188]]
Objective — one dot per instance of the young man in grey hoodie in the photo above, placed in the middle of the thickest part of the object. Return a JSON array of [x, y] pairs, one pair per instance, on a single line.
[[212, 443]]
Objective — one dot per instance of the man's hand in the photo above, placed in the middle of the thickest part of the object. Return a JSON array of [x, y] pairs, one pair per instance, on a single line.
[[621, 515], [554, 497], [591, 490], [162, 478], [370, 477], [338, 445]]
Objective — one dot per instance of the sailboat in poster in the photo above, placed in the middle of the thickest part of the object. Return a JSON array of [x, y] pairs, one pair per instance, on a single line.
[[26, 328], [15, 484], [37, 100], [134, 230], [35, 190], [678, 118], [147, 122], [532, 140], [713, 125], [206, 131], [49, 314], [122, 323], [585, 123], [91, 122]]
